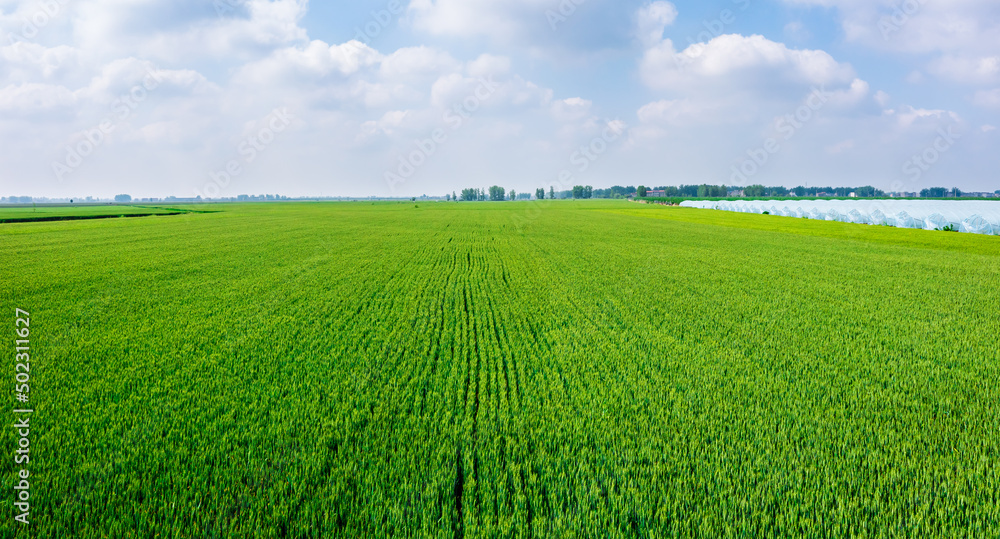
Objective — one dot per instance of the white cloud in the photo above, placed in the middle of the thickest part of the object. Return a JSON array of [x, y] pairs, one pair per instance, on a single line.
[[501, 20], [387, 124], [179, 30], [961, 37], [652, 20], [121, 76], [796, 31], [852, 96], [32, 99], [165, 132], [415, 63], [919, 26], [988, 99], [571, 109], [558, 30], [489, 64], [731, 62], [966, 70], [840, 147], [31, 61], [882, 98], [312, 61], [908, 116], [216, 78], [450, 89], [675, 112]]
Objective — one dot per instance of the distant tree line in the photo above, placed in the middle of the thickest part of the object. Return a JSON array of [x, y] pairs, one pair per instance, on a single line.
[[473, 195], [497, 193], [940, 192], [703, 190], [756, 191], [493, 194]]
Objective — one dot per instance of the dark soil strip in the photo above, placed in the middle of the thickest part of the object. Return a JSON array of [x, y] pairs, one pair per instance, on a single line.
[[80, 217], [179, 210]]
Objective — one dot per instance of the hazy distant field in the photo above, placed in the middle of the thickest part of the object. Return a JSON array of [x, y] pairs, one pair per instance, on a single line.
[[506, 370]]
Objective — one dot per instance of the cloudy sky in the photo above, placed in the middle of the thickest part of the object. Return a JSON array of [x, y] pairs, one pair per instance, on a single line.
[[411, 97]]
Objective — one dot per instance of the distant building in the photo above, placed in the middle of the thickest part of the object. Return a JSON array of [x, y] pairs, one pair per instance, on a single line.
[[656, 193]]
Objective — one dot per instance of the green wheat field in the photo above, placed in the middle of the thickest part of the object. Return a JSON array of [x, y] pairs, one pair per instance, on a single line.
[[554, 369]]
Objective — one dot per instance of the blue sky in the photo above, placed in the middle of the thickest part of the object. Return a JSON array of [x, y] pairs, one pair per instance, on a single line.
[[186, 97]]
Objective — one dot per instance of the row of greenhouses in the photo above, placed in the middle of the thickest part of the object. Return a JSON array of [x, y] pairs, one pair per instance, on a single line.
[[973, 216]]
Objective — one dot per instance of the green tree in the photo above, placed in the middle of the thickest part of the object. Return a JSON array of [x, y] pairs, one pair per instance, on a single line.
[[497, 193], [867, 191], [641, 191], [513, 195], [588, 192], [754, 191], [577, 191], [540, 193], [687, 191]]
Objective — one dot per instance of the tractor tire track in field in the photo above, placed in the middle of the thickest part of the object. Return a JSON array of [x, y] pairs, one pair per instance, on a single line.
[[480, 393], [471, 397], [458, 526], [502, 348], [424, 282], [438, 320]]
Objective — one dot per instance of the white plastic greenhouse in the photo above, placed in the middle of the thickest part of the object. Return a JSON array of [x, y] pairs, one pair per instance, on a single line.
[[973, 216]]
